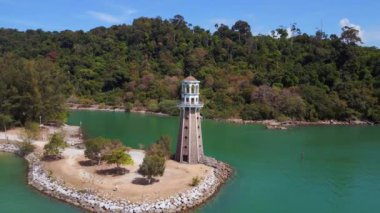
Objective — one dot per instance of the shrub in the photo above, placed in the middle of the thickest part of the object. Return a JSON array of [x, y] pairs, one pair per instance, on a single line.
[[282, 118], [374, 115], [169, 107], [152, 106], [55, 146], [128, 106], [195, 181], [161, 147], [26, 148], [258, 112]]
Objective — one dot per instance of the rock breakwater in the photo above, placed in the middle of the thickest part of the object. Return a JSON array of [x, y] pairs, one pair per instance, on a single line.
[[42, 180], [8, 147]]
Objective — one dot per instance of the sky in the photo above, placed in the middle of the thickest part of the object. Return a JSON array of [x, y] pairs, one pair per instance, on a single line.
[[263, 16]]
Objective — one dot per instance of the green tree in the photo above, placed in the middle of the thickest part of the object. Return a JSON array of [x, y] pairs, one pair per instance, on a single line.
[[30, 89], [161, 147], [5, 120], [350, 35], [152, 166], [374, 114], [169, 107], [258, 111], [26, 148], [142, 64], [119, 157], [32, 130], [95, 148], [54, 148], [243, 29]]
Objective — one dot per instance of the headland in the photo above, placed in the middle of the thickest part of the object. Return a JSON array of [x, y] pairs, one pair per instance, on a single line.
[[91, 188]]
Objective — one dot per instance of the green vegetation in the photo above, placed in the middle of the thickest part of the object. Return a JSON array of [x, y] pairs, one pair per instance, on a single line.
[[95, 148], [26, 148], [169, 107], [32, 130], [118, 156], [283, 76], [5, 120], [111, 151], [152, 166], [54, 148], [161, 147], [155, 156], [31, 88], [195, 181]]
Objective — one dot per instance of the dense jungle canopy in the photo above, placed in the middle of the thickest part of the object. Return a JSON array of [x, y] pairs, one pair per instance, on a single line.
[[285, 75]]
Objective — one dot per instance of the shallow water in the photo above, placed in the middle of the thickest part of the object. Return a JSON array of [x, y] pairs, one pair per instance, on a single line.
[[17, 196], [305, 169]]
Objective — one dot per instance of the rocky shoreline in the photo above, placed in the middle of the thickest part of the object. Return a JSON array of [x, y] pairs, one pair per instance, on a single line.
[[283, 125], [9, 148], [42, 180]]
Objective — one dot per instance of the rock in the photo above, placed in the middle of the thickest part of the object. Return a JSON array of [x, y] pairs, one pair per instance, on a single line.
[[39, 178]]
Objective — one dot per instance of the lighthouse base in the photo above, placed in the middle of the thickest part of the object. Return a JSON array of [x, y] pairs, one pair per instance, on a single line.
[[190, 142]]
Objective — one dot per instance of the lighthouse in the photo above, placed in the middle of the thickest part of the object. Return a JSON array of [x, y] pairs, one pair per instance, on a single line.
[[190, 145]]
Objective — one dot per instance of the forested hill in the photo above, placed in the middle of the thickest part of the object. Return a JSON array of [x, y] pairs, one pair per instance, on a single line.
[[297, 76]]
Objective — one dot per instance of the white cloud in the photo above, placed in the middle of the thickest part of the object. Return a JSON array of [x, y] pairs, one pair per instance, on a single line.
[[124, 14], [104, 17], [289, 31], [346, 22]]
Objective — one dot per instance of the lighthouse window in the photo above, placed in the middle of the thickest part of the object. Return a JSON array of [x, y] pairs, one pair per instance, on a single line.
[[185, 137], [199, 136], [185, 147], [186, 127], [198, 126]]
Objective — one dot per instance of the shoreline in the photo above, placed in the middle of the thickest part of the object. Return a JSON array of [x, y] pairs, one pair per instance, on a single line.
[[112, 109], [283, 125], [197, 196], [269, 124]]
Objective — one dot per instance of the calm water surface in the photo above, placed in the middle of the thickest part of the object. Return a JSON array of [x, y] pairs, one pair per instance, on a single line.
[[16, 196], [308, 169]]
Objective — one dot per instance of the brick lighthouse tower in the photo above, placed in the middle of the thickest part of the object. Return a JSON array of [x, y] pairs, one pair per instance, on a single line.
[[190, 145]]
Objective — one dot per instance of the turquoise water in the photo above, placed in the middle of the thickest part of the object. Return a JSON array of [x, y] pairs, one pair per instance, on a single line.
[[305, 169], [17, 196]]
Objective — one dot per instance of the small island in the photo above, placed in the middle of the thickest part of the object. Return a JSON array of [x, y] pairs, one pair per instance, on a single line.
[[100, 174]]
